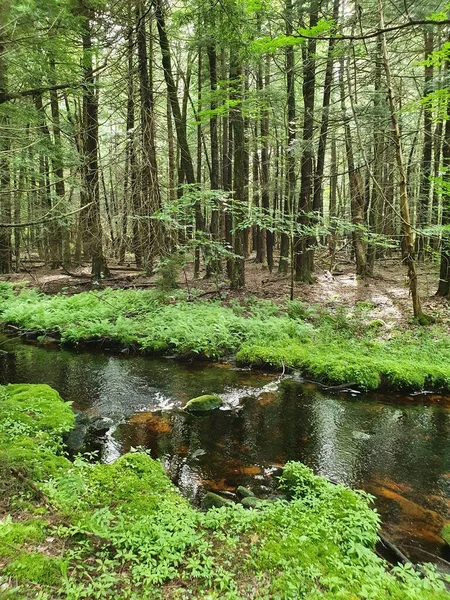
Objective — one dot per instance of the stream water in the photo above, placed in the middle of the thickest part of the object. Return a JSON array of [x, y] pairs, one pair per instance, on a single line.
[[397, 448]]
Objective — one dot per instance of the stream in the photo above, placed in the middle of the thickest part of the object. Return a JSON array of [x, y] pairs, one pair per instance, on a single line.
[[394, 447]]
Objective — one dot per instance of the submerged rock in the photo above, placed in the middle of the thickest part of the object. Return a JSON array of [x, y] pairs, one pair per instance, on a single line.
[[203, 403], [87, 433], [212, 500], [76, 439]]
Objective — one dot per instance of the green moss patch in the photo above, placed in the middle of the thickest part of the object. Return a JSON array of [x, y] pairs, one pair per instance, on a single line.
[[35, 568], [33, 419], [13, 535]]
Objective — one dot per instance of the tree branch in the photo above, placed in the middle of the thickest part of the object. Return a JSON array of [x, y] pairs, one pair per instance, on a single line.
[[45, 220], [5, 97], [374, 34]]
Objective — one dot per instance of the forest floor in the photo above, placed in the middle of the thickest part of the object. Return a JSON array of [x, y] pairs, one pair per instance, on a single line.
[[387, 291]]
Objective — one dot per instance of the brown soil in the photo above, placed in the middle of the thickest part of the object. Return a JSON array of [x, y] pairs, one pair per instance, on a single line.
[[387, 290]]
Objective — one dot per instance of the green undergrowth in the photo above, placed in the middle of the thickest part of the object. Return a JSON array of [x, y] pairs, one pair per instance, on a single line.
[[123, 531], [334, 346]]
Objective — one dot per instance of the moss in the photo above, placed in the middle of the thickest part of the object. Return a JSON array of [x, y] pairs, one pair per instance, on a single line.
[[134, 484], [203, 403], [243, 492], [35, 568], [425, 320], [14, 534], [376, 324], [37, 407], [403, 375], [252, 502], [212, 500], [324, 363], [368, 365], [32, 420]]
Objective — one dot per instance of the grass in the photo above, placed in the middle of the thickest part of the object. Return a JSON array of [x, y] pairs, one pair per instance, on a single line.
[[123, 531], [342, 346]]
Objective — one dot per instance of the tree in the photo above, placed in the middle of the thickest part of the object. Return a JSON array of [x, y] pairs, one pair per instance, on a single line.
[[93, 240], [303, 243], [403, 186]]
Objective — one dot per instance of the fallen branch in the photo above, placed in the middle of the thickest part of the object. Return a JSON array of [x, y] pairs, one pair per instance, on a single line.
[[38, 493], [77, 275]]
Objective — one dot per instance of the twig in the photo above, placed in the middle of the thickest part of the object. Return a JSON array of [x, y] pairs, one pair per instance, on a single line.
[[39, 493]]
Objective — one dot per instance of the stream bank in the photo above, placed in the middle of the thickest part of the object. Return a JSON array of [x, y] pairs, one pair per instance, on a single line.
[[337, 346]]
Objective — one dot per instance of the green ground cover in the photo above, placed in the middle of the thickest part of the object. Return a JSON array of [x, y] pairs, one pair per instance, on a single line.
[[335, 346], [122, 531]]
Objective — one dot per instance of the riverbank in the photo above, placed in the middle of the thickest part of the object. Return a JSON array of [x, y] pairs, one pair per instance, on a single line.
[[334, 346], [82, 530]]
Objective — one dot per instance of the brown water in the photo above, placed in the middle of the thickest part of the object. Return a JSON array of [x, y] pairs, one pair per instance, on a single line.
[[396, 448]]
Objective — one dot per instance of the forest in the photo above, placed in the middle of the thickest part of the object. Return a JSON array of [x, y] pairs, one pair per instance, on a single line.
[[208, 133], [225, 299]]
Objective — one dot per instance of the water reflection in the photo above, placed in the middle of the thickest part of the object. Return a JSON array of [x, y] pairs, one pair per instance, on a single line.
[[398, 451]]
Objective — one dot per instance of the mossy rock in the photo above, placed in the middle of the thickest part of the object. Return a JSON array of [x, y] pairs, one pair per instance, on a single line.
[[445, 533], [38, 406], [252, 502], [33, 419], [203, 403], [212, 500], [243, 492], [135, 484]]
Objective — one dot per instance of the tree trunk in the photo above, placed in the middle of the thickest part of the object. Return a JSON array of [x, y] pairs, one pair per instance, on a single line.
[[237, 121], [92, 228], [150, 201], [5, 192], [304, 241], [53, 237], [227, 175], [378, 158], [187, 165], [61, 231], [199, 153], [213, 265], [129, 184], [320, 164], [403, 186], [423, 209], [265, 170], [289, 202], [333, 202], [261, 253], [356, 187], [444, 271]]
